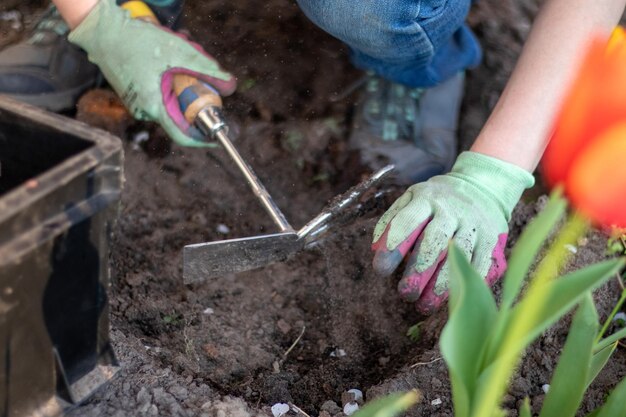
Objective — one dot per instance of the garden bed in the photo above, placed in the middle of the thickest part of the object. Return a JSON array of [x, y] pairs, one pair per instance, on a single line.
[[307, 330]]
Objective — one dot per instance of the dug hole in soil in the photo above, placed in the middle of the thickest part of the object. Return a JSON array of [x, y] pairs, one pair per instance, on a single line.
[[307, 330]]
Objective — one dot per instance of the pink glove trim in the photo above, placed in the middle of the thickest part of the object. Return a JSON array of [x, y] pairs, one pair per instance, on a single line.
[[412, 286], [386, 261], [170, 100], [429, 301], [225, 87]]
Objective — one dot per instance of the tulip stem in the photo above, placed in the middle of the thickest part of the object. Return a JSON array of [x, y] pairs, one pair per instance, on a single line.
[[609, 319], [560, 251]]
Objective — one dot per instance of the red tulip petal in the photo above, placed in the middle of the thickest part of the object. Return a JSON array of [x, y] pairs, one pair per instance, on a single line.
[[575, 120], [596, 183]]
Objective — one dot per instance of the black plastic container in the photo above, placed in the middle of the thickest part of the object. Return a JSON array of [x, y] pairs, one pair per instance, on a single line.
[[60, 184]]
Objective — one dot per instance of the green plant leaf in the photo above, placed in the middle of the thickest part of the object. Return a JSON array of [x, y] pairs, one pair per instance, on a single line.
[[594, 413], [598, 360], [562, 294], [390, 406], [522, 257], [527, 320], [610, 339], [530, 242], [615, 405], [524, 410], [569, 380], [499, 413], [414, 332], [472, 313]]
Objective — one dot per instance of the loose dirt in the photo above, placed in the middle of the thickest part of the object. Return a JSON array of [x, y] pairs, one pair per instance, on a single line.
[[307, 330]]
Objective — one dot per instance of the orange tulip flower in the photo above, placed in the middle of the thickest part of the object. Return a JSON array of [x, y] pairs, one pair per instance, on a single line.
[[587, 153]]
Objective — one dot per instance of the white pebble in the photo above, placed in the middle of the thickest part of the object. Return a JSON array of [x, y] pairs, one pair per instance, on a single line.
[[338, 353], [545, 388], [358, 394], [571, 248], [436, 401], [280, 409], [223, 229], [350, 408], [141, 136], [208, 311]]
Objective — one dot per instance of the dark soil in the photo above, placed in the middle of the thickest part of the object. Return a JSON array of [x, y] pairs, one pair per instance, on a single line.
[[220, 348]]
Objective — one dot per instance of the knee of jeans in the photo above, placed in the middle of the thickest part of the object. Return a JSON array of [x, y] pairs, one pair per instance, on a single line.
[[385, 30]]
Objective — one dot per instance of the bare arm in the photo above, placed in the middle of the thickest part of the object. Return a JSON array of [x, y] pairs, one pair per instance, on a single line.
[[74, 11], [519, 127]]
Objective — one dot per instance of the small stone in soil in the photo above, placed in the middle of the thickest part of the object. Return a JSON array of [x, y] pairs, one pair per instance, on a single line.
[[208, 311], [436, 383], [331, 407], [139, 138], [545, 388], [223, 229], [436, 401], [350, 408], [358, 395], [338, 353], [352, 395], [283, 326], [280, 409]]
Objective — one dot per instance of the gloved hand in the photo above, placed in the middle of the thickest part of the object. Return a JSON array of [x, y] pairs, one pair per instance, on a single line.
[[470, 205], [139, 60]]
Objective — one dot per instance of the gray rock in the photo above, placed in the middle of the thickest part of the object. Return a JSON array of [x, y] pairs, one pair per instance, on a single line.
[[331, 407], [144, 397], [180, 392]]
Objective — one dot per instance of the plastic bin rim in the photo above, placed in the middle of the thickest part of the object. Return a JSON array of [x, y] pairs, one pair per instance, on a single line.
[[104, 145]]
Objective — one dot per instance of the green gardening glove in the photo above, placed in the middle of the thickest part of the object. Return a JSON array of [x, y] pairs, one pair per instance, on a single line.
[[471, 205], [139, 59]]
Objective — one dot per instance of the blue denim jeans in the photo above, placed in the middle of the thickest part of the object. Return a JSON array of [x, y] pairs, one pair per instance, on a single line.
[[419, 43]]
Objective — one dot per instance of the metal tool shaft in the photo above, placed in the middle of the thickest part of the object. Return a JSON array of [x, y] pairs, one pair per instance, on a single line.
[[211, 122], [319, 223]]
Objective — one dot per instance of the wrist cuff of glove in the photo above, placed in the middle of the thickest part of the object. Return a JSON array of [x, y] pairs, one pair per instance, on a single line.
[[505, 181], [84, 34]]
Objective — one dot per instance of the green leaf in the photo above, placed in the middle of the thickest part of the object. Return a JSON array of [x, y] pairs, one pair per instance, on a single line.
[[528, 319], [520, 261], [569, 381], [530, 242], [598, 360], [594, 413], [390, 406], [499, 413], [562, 294], [472, 313], [524, 410], [414, 332], [611, 339], [615, 405]]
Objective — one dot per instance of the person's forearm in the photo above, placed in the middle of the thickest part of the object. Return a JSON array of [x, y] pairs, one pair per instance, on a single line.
[[74, 11], [519, 127]]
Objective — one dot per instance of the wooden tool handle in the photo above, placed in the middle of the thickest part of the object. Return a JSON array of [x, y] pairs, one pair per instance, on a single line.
[[194, 96]]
